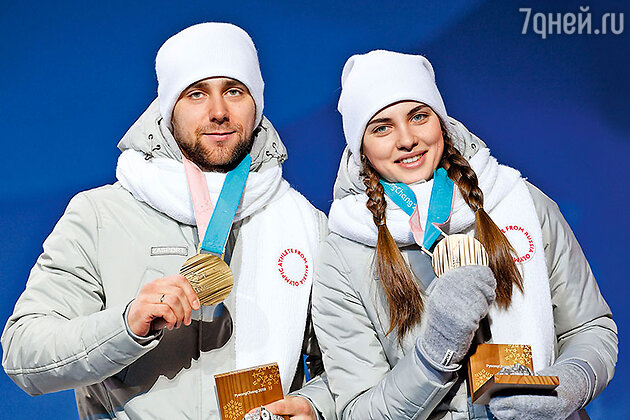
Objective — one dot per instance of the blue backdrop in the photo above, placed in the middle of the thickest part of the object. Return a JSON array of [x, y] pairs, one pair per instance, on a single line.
[[74, 76]]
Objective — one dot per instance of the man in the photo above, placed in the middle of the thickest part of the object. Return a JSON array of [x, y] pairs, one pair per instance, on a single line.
[[105, 311]]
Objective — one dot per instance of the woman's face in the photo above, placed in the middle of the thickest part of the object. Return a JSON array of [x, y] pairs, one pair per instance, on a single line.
[[404, 142]]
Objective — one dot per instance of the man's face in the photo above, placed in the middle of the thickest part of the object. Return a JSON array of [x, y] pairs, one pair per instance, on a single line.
[[213, 122]]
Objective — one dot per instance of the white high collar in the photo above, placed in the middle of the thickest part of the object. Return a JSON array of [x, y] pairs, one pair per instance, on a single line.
[[161, 183]]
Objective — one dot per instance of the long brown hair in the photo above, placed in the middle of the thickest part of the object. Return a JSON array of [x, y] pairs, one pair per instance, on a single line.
[[403, 294]]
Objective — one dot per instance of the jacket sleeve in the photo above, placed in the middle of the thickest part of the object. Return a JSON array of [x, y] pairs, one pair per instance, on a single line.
[[60, 335], [583, 321], [317, 392], [360, 377]]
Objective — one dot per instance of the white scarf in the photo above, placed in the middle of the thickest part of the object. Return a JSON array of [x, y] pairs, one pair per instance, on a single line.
[[529, 319], [279, 246], [161, 183]]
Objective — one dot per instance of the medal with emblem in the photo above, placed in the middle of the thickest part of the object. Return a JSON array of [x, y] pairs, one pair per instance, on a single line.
[[210, 277], [207, 272], [456, 251]]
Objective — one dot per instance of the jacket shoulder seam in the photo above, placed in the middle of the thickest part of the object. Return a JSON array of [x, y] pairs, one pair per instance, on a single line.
[[99, 225]]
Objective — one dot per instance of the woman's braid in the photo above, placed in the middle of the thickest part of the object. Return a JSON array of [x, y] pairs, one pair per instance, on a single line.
[[403, 294], [500, 251], [374, 189], [462, 174]]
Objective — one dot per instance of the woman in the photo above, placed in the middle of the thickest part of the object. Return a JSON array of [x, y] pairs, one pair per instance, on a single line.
[[392, 335]]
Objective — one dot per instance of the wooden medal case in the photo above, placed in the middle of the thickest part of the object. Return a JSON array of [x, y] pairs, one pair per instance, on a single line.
[[489, 359], [242, 390]]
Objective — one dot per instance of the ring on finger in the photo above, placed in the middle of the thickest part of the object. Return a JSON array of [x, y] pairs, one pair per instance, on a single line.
[[162, 298]]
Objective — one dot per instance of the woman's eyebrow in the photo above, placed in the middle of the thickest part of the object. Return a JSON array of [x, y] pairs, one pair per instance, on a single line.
[[379, 120], [416, 109]]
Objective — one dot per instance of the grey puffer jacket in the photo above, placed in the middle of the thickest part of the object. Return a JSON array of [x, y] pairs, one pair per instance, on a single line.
[[67, 330], [373, 376]]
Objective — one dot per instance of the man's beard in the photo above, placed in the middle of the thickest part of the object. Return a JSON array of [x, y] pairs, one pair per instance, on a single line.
[[221, 158]]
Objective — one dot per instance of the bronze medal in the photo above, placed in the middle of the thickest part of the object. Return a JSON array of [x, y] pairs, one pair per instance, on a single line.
[[458, 250], [210, 277]]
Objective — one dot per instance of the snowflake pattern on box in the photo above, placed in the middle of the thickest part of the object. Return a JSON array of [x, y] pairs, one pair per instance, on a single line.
[[233, 410], [519, 354], [480, 378], [267, 376]]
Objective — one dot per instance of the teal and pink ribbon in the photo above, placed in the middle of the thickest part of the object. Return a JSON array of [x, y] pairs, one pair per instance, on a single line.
[[215, 222], [440, 206]]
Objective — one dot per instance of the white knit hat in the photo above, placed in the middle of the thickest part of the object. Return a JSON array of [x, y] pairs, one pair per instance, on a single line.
[[372, 81], [207, 50]]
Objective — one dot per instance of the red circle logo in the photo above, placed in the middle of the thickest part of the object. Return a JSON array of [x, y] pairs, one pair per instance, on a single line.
[[293, 266], [522, 241]]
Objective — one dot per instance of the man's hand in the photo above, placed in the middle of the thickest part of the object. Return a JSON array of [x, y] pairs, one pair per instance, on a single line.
[[165, 302], [297, 407]]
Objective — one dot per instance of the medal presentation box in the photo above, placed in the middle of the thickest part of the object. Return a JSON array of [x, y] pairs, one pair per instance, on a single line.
[[242, 390], [485, 364]]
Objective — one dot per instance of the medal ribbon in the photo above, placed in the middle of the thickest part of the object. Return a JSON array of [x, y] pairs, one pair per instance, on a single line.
[[401, 194], [198, 187], [219, 224], [439, 210]]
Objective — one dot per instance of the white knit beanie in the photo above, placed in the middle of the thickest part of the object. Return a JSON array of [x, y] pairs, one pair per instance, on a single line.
[[207, 50], [372, 81]]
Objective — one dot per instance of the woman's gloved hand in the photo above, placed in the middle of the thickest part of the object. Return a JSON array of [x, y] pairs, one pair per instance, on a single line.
[[571, 394], [459, 300]]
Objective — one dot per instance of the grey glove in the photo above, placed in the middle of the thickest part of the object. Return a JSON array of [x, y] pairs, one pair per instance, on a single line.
[[460, 299], [572, 393]]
